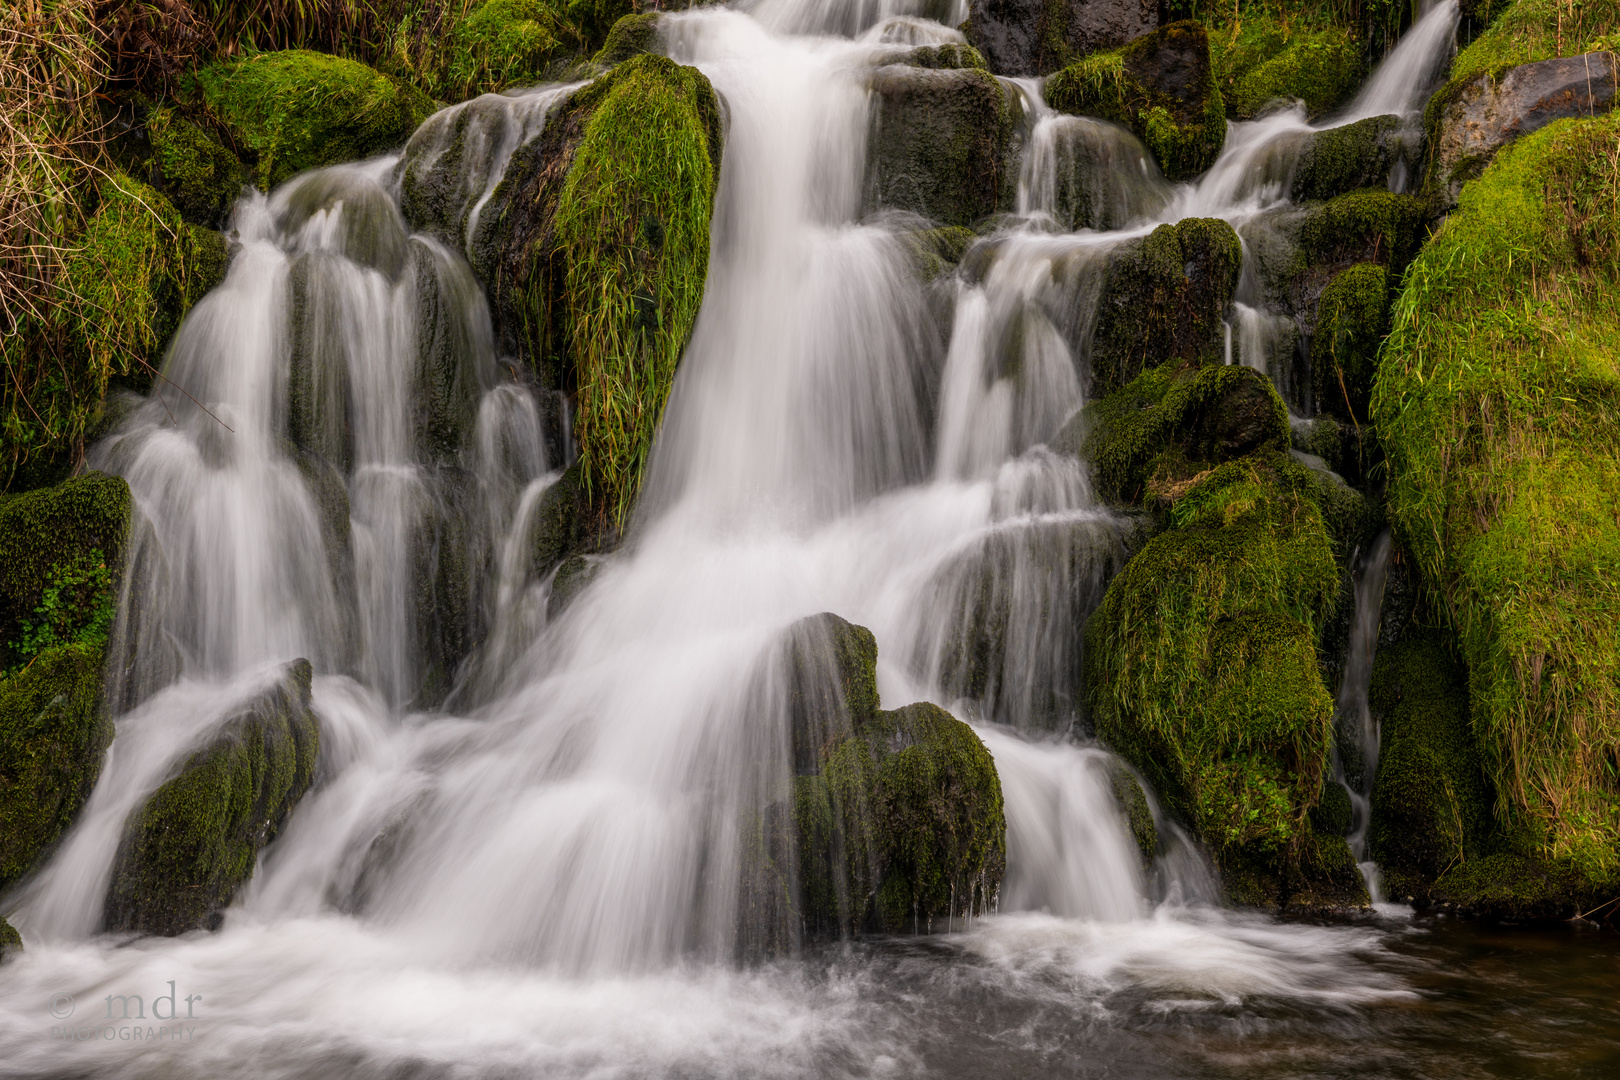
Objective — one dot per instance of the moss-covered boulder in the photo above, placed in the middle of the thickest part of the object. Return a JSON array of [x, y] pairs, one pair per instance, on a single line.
[[1342, 159], [1431, 807], [951, 54], [1202, 669], [1513, 887], [1132, 800], [573, 576], [1261, 61], [631, 36], [1147, 439], [190, 165], [53, 738], [297, 110], [1161, 87], [1163, 298], [1498, 404], [1034, 37], [939, 144], [194, 842], [595, 246], [1352, 318], [895, 823]]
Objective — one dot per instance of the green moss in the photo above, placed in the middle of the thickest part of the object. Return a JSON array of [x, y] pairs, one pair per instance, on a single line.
[[935, 252], [1163, 299], [1333, 814], [1326, 879], [1518, 887], [53, 738], [1133, 803], [1260, 59], [948, 55], [193, 168], [1352, 318], [631, 36], [1172, 103], [1431, 805], [298, 110], [1154, 434], [1525, 32], [1367, 225], [1344, 158], [502, 43], [10, 940], [195, 841], [1498, 403], [940, 143], [60, 549], [1201, 661]]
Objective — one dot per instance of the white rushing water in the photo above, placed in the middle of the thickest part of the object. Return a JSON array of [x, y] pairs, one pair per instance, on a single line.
[[560, 891]]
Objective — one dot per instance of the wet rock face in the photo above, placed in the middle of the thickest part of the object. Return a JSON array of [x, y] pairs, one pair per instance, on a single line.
[[194, 842], [1486, 114], [939, 144], [1035, 37], [1352, 156]]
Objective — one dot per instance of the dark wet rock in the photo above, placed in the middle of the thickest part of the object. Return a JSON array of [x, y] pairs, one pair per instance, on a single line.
[[1333, 815], [1486, 113], [1326, 879], [1163, 299], [330, 493], [318, 369], [1358, 155], [939, 144], [10, 941], [1034, 37], [573, 576], [454, 343], [187, 850], [446, 550], [566, 523], [1134, 806]]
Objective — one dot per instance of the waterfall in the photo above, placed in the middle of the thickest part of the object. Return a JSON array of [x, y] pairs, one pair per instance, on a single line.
[[1358, 730]]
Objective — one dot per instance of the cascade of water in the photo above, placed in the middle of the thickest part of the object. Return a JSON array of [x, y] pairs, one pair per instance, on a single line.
[[1358, 731]]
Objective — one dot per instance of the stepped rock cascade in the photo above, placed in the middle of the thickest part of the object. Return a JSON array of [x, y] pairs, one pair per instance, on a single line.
[[541, 823]]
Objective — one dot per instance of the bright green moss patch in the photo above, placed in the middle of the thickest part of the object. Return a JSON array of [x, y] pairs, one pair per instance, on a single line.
[[1370, 225], [631, 36], [1341, 159], [1261, 59], [195, 841], [1161, 87], [1498, 403], [1528, 31], [1351, 320], [196, 171], [53, 737], [1201, 661], [298, 110]]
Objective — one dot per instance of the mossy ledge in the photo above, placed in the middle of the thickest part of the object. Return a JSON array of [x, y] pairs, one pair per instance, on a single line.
[[188, 849], [1261, 61]]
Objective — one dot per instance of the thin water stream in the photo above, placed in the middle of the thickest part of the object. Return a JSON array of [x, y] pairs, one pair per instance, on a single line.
[[562, 897]]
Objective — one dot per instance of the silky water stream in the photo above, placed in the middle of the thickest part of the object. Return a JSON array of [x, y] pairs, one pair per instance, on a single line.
[[563, 902]]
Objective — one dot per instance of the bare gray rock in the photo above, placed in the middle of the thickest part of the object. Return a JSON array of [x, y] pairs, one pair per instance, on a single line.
[[1036, 37]]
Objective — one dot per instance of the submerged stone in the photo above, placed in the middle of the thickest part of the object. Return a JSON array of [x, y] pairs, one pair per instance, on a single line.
[[187, 850], [1034, 37], [939, 144]]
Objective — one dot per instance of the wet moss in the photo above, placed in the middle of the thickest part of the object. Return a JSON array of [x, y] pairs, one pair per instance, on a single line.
[[940, 143], [53, 738], [1163, 299], [1326, 879], [573, 576], [1497, 401], [1201, 661], [1333, 814], [502, 43], [1162, 87], [1352, 318], [1133, 804], [199, 174], [948, 55], [631, 36], [1515, 887], [296, 110], [1366, 226], [1431, 806], [1345, 158], [187, 850], [1260, 60], [10, 941]]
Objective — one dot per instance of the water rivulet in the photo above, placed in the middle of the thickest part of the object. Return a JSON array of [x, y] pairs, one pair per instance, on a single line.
[[544, 829]]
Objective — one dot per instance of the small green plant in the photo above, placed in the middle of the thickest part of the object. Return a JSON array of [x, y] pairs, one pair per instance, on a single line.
[[76, 608]]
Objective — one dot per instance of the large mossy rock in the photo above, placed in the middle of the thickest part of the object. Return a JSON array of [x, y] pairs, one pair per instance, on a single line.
[[1202, 670], [53, 738], [1163, 299], [297, 110], [1352, 319], [1431, 806], [1498, 404], [190, 165], [1034, 37], [1161, 87], [194, 842], [1260, 62], [939, 144], [895, 823], [595, 248], [1341, 159], [1517, 888]]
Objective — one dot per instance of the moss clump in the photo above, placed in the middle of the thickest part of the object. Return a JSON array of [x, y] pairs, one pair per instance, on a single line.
[[1352, 318], [1348, 157], [1519, 887], [296, 110], [1172, 421], [194, 842], [10, 940], [939, 144], [193, 168], [1365, 226], [1498, 404], [1261, 59], [53, 737], [1163, 299], [1333, 814], [1161, 86], [631, 36], [1201, 661], [1133, 804], [59, 553], [1431, 806], [935, 252], [948, 55]]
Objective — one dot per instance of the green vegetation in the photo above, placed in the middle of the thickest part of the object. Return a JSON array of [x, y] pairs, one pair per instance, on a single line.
[[1347, 157], [1133, 803], [1519, 887], [631, 36], [193, 168], [298, 110], [53, 737], [1352, 318], [1172, 103], [1267, 56], [1368, 225], [1498, 403], [949, 55], [10, 940], [194, 842]]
